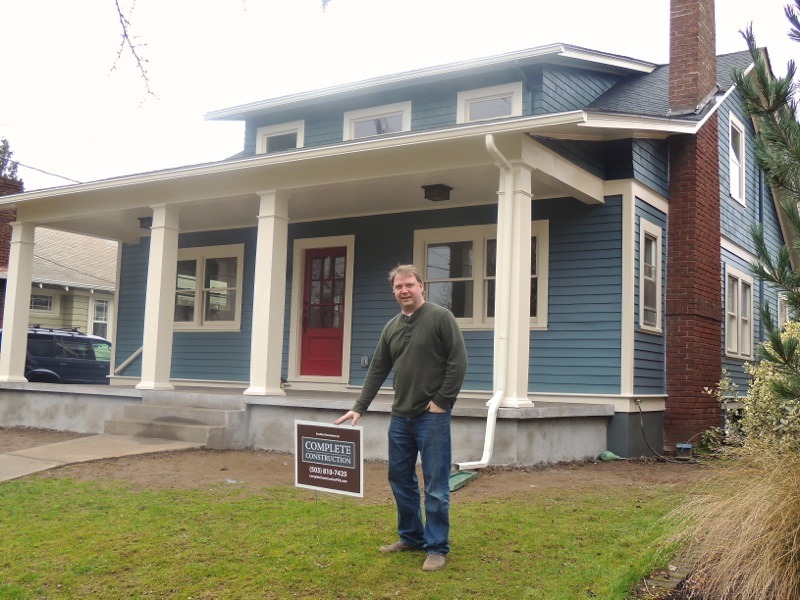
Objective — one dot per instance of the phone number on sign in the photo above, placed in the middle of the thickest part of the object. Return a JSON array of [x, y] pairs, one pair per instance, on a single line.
[[327, 471]]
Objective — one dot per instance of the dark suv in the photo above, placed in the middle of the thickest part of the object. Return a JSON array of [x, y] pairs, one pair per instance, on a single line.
[[66, 356]]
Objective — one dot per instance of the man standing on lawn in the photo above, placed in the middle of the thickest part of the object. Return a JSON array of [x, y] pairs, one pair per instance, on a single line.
[[424, 346]]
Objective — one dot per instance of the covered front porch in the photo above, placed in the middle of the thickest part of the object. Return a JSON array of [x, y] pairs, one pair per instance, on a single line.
[[548, 432]]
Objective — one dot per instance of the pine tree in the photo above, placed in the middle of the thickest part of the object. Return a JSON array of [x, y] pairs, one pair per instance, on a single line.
[[8, 167]]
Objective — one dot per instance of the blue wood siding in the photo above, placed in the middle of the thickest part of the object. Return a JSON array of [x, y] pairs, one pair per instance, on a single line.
[[130, 304], [580, 350], [736, 219], [565, 89], [649, 349], [203, 355], [651, 164]]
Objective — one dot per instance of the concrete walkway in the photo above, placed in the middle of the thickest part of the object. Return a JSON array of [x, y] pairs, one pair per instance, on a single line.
[[85, 449]]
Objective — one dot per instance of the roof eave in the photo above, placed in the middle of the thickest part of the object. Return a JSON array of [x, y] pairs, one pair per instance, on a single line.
[[607, 61]]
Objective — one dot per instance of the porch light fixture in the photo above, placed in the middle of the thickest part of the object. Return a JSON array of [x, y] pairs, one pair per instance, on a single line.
[[145, 222], [436, 192]]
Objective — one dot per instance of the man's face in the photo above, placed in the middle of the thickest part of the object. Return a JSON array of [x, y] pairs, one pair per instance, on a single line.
[[408, 292]]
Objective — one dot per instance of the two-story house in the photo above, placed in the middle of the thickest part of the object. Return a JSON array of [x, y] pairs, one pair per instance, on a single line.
[[584, 216]]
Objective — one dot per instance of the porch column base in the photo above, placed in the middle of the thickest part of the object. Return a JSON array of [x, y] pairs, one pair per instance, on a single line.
[[150, 385], [12, 379], [515, 403], [262, 391]]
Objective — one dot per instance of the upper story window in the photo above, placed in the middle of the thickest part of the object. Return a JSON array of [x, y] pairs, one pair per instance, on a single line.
[[459, 265], [490, 103], [738, 314], [784, 314], [378, 120], [276, 138], [650, 277], [208, 290], [736, 159]]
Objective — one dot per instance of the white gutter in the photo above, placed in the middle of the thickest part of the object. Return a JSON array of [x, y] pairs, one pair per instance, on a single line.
[[501, 317]]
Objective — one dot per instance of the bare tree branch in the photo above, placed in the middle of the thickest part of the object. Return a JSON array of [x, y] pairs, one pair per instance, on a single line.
[[128, 42]]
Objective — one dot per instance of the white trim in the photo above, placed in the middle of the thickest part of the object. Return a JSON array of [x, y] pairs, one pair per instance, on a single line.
[[264, 133], [740, 277], [646, 228], [201, 254], [737, 250], [783, 312], [295, 319], [623, 403], [353, 117], [478, 235], [467, 97], [734, 124], [93, 300]]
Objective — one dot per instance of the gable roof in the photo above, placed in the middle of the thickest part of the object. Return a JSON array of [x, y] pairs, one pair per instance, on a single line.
[[647, 95]]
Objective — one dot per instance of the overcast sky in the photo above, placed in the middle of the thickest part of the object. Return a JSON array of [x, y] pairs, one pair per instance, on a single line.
[[65, 111]]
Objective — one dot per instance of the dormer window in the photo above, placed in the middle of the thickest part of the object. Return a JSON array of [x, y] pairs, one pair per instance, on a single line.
[[490, 103], [278, 138], [379, 120]]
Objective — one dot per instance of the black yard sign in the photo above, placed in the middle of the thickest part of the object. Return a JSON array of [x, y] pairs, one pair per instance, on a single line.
[[329, 458]]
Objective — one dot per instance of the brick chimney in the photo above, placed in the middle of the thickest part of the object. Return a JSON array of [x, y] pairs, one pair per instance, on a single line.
[[692, 55], [694, 298]]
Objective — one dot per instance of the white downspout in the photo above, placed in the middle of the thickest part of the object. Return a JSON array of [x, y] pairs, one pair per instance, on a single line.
[[501, 319]]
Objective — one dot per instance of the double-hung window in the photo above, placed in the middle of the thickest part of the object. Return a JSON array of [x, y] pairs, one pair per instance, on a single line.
[[208, 289], [101, 311], [489, 103], [459, 265], [278, 138], [378, 120], [738, 314], [736, 159], [784, 315], [650, 277]]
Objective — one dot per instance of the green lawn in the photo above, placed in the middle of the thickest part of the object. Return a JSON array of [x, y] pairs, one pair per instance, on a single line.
[[65, 539]]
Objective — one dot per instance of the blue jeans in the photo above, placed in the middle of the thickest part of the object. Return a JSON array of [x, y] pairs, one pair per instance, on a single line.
[[429, 435]]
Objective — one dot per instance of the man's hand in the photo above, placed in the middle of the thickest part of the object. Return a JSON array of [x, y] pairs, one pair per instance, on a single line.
[[351, 416], [434, 408]]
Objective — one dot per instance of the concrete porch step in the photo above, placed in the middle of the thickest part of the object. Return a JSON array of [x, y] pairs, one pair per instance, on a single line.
[[213, 427], [190, 415]]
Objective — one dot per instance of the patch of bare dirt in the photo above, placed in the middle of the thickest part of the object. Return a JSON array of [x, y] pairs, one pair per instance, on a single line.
[[257, 469]]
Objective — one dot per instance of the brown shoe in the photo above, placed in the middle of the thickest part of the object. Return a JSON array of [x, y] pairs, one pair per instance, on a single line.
[[398, 546], [434, 562]]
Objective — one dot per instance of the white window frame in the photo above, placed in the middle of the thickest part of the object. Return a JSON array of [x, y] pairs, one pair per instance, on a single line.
[[783, 316], [264, 133], [55, 303], [648, 229], [736, 187], [478, 235], [467, 97], [376, 112], [92, 320], [735, 345], [200, 255]]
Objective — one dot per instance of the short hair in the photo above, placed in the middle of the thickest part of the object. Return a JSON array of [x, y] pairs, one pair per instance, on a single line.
[[405, 270]]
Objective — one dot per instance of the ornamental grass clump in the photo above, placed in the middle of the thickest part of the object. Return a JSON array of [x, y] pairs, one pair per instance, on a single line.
[[742, 523]]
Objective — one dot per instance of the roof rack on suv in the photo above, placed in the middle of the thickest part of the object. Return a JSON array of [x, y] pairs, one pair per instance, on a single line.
[[62, 329]]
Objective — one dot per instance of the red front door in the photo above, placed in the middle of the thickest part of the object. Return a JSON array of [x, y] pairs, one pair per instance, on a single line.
[[323, 312]]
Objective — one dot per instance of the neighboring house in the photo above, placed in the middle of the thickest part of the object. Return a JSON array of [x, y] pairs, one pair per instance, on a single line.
[[73, 279], [584, 215]]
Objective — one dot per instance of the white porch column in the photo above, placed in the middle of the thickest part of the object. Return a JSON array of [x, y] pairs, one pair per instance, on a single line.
[[159, 309], [513, 292], [269, 295], [18, 299]]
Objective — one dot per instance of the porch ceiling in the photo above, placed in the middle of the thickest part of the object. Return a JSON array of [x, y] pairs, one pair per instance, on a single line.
[[354, 180]]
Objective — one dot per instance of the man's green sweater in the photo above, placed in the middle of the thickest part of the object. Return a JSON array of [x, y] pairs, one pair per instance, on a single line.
[[426, 351]]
